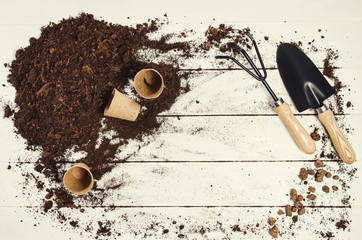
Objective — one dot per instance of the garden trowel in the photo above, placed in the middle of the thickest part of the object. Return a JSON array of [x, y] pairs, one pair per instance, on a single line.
[[308, 89]]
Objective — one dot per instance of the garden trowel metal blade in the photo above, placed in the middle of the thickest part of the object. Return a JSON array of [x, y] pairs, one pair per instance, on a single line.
[[306, 85]]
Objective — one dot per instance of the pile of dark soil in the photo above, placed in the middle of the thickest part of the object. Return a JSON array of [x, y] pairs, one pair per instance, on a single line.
[[65, 78], [63, 81]]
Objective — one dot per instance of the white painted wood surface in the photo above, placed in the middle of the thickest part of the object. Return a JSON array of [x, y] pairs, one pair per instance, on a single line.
[[226, 159]]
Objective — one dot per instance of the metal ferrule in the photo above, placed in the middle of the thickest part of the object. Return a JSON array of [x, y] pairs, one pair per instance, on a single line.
[[322, 109], [279, 102]]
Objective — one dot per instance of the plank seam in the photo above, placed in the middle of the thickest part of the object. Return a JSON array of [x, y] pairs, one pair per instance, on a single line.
[[191, 161], [184, 206]]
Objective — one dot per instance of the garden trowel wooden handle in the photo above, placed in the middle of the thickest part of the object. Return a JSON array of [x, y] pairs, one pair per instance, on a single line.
[[299, 134], [340, 142]]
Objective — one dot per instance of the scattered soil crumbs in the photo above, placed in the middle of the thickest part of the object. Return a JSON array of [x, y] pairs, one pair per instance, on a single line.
[[48, 205], [329, 71], [63, 81], [327, 235], [61, 103], [74, 223], [342, 224], [315, 136], [274, 232], [216, 37], [329, 67], [307, 206], [104, 229], [8, 112]]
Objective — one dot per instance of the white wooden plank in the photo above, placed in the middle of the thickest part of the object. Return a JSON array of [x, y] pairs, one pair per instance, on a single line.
[[196, 223], [237, 138], [235, 92], [241, 138], [232, 11], [245, 184], [336, 36], [338, 23], [316, 40]]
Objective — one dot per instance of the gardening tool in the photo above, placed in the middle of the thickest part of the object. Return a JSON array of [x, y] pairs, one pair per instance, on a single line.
[[308, 89], [299, 134]]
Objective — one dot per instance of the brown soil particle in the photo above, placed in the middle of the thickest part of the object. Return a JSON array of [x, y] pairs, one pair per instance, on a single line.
[[104, 229], [320, 174], [215, 36], [294, 209], [63, 198], [293, 194], [335, 188], [49, 194], [342, 224], [311, 172], [236, 228], [348, 104], [8, 112], [328, 175], [298, 205], [271, 221], [48, 205], [303, 174], [318, 163], [311, 189], [288, 210], [327, 235], [325, 189], [295, 218], [300, 198], [74, 223], [280, 212], [335, 177], [301, 211], [311, 197], [273, 232], [315, 136]]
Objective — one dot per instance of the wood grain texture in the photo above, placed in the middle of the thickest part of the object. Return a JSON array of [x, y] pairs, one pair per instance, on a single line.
[[204, 138], [340, 142], [188, 184], [299, 134], [214, 223], [216, 160]]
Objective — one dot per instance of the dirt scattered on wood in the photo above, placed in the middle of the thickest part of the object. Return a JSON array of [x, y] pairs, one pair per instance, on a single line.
[[217, 37], [300, 206], [69, 98]]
